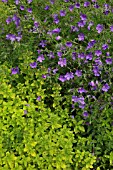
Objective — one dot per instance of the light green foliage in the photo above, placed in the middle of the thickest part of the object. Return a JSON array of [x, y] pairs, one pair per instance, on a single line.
[[38, 140], [84, 160], [4, 11]]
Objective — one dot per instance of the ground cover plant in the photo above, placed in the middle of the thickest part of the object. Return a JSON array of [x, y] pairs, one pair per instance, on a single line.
[[56, 93]]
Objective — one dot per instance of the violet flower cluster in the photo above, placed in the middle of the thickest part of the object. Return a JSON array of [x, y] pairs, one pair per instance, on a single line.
[[82, 62]]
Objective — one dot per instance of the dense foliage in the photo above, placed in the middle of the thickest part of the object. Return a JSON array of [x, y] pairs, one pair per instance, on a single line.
[[56, 93]]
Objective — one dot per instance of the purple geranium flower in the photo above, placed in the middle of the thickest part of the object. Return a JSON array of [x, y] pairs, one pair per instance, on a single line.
[[15, 70], [56, 31], [58, 38], [81, 55], [17, 22], [98, 61], [49, 70], [96, 73], [62, 62], [55, 70], [51, 55], [56, 20], [69, 44], [81, 37], [86, 4], [62, 13], [14, 18], [29, 10], [106, 6], [43, 43], [40, 58], [39, 51], [96, 70], [62, 48], [107, 53], [109, 60], [25, 112], [33, 65], [77, 5], [71, 7], [105, 87], [89, 56], [85, 114], [19, 37], [106, 12], [82, 90], [44, 76], [17, 2], [4, 0], [111, 28], [69, 76], [78, 73], [59, 53], [81, 23], [96, 6], [72, 116], [36, 24], [83, 17], [104, 46], [22, 8], [91, 44], [66, 0], [8, 20], [81, 100], [99, 28], [75, 99], [55, 16], [47, 7], [62, 78], [74, 28], [11, 37], [74, 55], [82, 106], [98, 52], [52, 1], [90, 24], [38, 98], [29, 1], [92, 84]]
